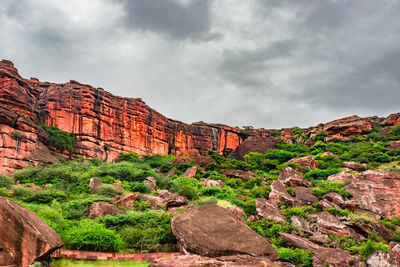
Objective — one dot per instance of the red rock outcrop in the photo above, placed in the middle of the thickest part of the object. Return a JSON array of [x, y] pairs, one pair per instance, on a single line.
[[24, 237], [105, 124]]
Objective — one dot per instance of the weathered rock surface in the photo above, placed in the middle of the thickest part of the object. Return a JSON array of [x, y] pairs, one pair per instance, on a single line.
[[190, 172], [307, 162], [355, 166], [329, 224], [268, 210], [102, 209], [224, 261], [24, 237], [291, 177], [304, 195], [333, 257], [341, 177], [278, 193], [155, 202], [394, 252], [209, 183], [380, 259], [127, 200], [151, 182], [298, 242], [238, 174], [212, 231], [377, 192]]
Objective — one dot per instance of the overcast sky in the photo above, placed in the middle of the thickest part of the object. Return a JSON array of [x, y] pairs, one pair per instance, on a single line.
[[265, 63]]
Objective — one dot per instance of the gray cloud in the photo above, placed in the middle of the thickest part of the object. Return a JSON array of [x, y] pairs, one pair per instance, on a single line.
[[176, 20], [275, 63]]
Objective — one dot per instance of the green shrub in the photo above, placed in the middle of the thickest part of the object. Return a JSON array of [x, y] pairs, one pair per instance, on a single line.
[[18, 135], [395, 132], [300, 211], [296, 256], [318, 174], [320, 136], [323, 187], [280, 155], [6, 181], [60, 139], [4, 192], [370, 247], [297, 131], [93, 236], [260, 192], [338, 212], [275, 133], [46, 196], [141, 205], [270, 229], [329, 162], [108, 190], [185, 186], [140, 187], [210, 191], [76, 209], [22, 193]]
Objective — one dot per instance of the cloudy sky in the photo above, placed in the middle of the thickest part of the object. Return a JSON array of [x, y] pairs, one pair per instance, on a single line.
[[265, 63]]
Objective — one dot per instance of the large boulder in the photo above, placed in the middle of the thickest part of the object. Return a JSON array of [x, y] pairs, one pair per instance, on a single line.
[[278, 193], [304, 195], [102, 209], [291, 177], [127, 200], [210, 183], [307, 162], [212, 231], [377, 192], [190, 172], [354, 166], [298, 242], [24, 237]]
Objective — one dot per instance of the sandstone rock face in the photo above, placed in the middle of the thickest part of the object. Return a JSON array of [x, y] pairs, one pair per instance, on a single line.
[[304, 195], [238, 174], [212, 231], [102, 209], [380, 259], [343, 177], [377, 192], [268, 210], [224, 261], [105, 124], [307, 162], [24, 237], [291, 177]]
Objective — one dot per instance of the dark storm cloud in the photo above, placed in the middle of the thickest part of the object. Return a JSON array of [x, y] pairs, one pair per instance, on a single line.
[[170, 17]]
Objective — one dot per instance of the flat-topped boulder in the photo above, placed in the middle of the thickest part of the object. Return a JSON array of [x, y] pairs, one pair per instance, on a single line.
[[102, 209], [24, 237], [291, 177], [307, 162], [213, 231]]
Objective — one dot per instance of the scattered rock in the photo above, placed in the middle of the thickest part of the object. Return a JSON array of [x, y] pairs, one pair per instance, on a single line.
[[334, 197], [329, 224], [305, 163], [291, 177], [238, 174], [269, 211], [341, 177], [354, 166], [394, 145], [304, 195], [224, 261], [190, 172], [301, 223], [212, 231], [171, 172], [102, 209], [24, 237], [319, 238], [333, 257], [210, 183], [171, 199], [377, 192], [118, 187], [95, 184], [127, 200], [298, 242], [327, 153], [326, 204], [151, 182], [278, 193], [394, 252], [155, 202], [380, 259]]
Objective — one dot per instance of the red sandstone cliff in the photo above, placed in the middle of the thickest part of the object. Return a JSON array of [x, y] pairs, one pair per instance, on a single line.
[[98, 118]]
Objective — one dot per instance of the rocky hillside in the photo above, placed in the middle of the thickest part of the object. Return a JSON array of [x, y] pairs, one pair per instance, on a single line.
[[107, 125]]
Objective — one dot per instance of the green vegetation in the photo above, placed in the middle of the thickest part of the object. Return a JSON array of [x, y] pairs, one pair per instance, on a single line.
[[60, 139], [61, 196]]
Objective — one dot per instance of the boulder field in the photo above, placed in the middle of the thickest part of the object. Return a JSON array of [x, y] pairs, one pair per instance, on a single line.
[[107, 124]]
